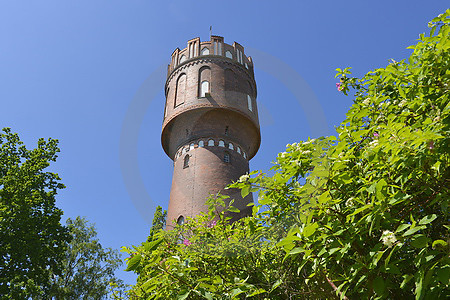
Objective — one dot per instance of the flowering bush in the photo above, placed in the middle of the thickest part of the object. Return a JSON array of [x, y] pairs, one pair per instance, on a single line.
[[360, 215]]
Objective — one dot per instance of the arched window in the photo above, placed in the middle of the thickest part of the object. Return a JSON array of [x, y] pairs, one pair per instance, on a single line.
[[180, 220], [182, 59], [239, 150], [249, 103], [204, 88], [181, 90], [239, 56], [211, 143], [230, 146], [204, 78], [226, 157], [191, 146], [183, 151], [201, 144], [245, 155], [205, 51], [221, 143], [228, 54], [186, 161], [246, 65]]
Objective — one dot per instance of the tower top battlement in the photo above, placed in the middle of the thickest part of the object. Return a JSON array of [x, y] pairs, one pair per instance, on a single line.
[[215, 47]]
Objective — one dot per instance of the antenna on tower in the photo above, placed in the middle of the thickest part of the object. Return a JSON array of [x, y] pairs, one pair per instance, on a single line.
[[210, 32]]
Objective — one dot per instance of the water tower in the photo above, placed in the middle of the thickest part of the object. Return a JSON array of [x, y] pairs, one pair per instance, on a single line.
[[210, 128]]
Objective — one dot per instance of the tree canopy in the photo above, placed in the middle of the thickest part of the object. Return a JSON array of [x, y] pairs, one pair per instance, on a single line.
[[88, 268], [158, 223], [32, 240], [360, 215]]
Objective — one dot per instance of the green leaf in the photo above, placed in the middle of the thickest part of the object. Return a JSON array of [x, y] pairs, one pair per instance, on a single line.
[[428, 219], [310, 229], [183, 296], [402, 227], [276, 284], [381, 195], [357, 211], [245, 190], [378, 285], [443, 274], [402, 93], [419, 284], [235, 292], [296, 251], [414, 230], [439, 244], [386, 262], [257, 292], [377, 257], [419, 241], [233, 209], [371, 189], [406, 279], [323, 198], [133, 262], [150, 246]]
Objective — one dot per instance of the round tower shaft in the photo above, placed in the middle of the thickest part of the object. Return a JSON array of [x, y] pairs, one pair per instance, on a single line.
[[211, 127]]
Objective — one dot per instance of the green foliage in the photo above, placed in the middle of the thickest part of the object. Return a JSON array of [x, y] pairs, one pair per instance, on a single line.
[[363, 215], [32, 240], [158, 223], [210, 258], [88, 267]]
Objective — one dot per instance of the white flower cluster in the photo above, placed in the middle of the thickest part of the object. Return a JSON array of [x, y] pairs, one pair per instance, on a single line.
[[366, 101], [308, 142], [373, 143], [244, 178], [388, 238], [402, 103], [349, 202]]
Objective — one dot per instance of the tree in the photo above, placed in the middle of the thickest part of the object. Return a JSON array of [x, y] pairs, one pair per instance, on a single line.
[[88, 268], [158, 223], [363, 215], [32, 240]]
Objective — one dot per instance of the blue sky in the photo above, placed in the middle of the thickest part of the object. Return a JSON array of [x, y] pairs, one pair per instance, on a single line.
[[72, 70]]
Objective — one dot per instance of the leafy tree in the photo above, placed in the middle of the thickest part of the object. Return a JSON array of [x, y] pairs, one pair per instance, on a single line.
[[158, 223], [363, 215], [32, 240], [89, 268]]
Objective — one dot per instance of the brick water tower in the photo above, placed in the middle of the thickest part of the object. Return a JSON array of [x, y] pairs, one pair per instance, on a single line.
[[211, 127]]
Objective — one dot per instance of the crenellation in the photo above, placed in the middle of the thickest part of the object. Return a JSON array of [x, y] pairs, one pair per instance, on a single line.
[[216, 47]]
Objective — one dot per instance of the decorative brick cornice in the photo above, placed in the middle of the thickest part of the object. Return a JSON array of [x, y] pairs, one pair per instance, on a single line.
[[204, 105]]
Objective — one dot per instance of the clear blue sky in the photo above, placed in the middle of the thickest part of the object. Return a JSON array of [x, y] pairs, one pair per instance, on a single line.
[[71, 69]]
